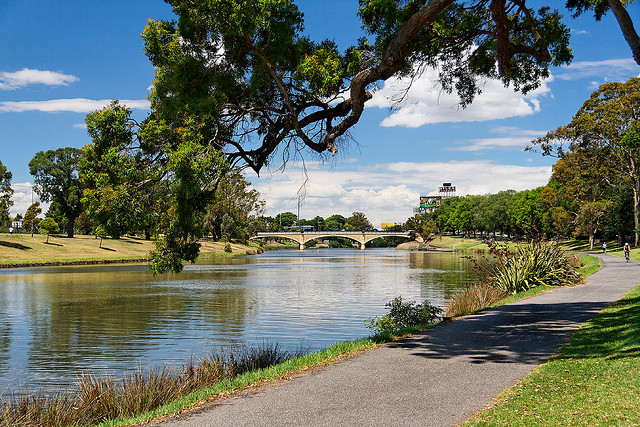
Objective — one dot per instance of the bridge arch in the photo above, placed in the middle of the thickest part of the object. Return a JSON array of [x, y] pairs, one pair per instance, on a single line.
[[360, 237]]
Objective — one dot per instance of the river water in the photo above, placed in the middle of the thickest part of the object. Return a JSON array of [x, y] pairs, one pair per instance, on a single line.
[[58, 322]]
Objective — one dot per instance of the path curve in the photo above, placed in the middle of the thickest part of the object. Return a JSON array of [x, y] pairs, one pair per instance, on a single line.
[[440, 377]]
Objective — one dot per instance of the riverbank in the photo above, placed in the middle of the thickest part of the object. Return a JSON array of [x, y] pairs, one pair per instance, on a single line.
[[453, 370], [23, 250]]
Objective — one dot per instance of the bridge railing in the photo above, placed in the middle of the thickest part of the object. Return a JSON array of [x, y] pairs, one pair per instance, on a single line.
[[332, 232]]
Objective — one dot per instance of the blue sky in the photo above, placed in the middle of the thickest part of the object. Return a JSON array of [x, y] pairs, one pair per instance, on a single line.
[[62, 59]]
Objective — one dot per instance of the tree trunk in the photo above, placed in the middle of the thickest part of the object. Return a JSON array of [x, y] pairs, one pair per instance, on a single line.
[[147, 235], [636, 210], [70, 223], [629, 33], [591, 236]]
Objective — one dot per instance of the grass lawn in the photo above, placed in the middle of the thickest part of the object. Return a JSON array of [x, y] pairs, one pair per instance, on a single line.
[[24, 249], [613, 248], [594, 379]]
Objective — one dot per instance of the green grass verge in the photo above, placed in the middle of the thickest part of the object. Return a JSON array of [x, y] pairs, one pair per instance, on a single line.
[[594, 379], [282, 371], [24, 249]]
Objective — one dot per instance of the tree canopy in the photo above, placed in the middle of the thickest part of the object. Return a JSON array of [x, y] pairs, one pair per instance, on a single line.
[[56, 177], [5, 193], [239, 84], [600, 145]]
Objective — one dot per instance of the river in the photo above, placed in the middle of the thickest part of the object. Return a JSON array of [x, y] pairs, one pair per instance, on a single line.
[[58, 322]]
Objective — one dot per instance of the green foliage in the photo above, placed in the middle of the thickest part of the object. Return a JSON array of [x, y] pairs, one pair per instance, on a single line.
[[358, 222], [5, 193], [31, 220], [48, 226], [424, 226], [56, 177], [599, 147], [533, 264], [227, 248], [403, 314], [231, 214], [237, 80], [338, 242]]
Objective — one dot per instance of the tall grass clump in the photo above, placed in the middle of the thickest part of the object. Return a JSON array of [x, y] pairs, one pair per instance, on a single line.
[[533, 264], [95, 399], [475, 297], [403, 316]]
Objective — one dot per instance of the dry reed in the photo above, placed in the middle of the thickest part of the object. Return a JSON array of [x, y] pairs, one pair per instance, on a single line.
[[98, 398], [474, 298]]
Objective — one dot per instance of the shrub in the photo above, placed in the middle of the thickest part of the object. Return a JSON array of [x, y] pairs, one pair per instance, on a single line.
[[532, 265], [227, 248], [402, 315], [474, 298]]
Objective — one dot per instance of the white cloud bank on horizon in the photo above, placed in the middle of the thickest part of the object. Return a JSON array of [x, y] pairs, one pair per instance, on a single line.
[[27, 76], [22, 199], [515, 139], [75, 105], [387, 192], [425, 102]]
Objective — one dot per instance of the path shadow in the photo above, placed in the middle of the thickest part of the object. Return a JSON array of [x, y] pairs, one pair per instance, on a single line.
[[14, 245], [523, 333]]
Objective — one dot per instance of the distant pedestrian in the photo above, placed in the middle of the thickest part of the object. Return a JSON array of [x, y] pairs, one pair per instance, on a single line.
[[627, 249], [10, 231], [604, 248]]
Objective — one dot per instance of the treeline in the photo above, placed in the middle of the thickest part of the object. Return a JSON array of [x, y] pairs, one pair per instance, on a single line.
[[594, 190], [542, 213], [289, 221]]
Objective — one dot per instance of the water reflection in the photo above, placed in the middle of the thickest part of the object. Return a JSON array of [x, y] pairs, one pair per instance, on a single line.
[[57, 322]]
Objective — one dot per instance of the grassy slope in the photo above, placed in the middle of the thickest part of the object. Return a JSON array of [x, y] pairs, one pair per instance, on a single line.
[[23, 249]]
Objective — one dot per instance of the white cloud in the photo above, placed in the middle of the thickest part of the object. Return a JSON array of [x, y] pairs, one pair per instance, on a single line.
[[516, 139], [426, 103], [22, 197], [76, 105], [606, 70], [387, 192], [26, 77], [80, 126], [577, 32]]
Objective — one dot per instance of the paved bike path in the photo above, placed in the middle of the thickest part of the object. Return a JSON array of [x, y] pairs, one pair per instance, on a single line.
[[436, 378]]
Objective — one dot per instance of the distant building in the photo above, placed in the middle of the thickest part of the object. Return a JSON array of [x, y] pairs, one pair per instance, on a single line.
[[429, 204], [447, 190], [386, 225]]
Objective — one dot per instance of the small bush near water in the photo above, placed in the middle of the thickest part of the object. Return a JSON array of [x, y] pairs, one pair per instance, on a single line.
[[96, 399], [403, 315]]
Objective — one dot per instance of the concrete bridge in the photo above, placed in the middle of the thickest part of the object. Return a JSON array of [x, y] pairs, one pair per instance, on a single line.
[[361, 237]]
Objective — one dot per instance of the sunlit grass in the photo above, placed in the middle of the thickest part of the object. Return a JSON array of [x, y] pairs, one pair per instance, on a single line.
[[23, 249]]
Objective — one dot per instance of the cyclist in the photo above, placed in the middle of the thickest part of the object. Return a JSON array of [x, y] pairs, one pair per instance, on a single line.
[[626, 251]]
